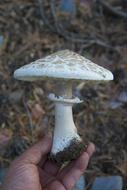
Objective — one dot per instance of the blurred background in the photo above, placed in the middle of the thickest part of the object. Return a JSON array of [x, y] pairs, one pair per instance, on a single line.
[[96, 29]]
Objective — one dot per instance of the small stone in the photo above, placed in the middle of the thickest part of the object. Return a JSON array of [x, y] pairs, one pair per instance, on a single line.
[[16, 96], [68, 6], [115, 104], [1, 41], [108, 183], [3, 172], [80, 185], [123, 97]]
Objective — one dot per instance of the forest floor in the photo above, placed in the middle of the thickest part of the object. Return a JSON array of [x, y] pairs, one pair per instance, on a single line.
[[96, 32]]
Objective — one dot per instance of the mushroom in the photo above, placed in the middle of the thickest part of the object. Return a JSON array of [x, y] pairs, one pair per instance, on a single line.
[[66, 67]]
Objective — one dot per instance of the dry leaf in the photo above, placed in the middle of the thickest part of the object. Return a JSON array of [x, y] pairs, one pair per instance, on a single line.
[[37, 112], [123, 168], [5, 136]]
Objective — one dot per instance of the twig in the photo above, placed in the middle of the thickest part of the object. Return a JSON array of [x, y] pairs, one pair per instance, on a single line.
[[112, 9], [64, 33], [29, 116], [59, 29], [44, 16], [103, 44], [99, 43]]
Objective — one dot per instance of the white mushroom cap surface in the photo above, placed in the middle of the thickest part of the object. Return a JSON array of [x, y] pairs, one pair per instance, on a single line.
[[63, 64]]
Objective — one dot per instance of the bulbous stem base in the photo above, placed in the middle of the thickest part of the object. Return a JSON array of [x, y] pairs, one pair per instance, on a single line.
[[69, 153], [67, 144]]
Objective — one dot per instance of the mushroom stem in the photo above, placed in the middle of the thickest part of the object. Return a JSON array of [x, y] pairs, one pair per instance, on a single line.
[[68, 92], [64, 89], [67, 144], [65, 130]]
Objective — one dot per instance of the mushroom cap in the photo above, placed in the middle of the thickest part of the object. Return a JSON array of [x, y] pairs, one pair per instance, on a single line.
[[63, 64]]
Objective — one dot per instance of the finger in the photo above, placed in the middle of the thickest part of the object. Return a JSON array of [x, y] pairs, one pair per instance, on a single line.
[[51, 167], [91, 149], [42, 161], [34, 154], [73, 171], [55, 185], [69, 178], [45, 178], [47, 173]]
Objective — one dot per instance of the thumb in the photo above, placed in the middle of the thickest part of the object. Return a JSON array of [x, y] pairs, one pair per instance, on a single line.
[[34, 154]]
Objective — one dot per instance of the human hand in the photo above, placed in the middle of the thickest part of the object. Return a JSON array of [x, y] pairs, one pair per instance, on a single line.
[[33, 171]]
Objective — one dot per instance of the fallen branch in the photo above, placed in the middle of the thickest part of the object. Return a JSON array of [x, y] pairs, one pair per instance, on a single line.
[[64, 33], [99, 43], [60, 30], [29, 117], [44, 16], [112, 9]]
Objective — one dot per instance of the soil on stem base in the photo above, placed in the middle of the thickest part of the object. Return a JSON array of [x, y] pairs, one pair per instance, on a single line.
[[73, 151]]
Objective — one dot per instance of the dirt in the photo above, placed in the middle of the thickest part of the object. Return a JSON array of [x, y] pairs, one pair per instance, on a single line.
[[70, 153]]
